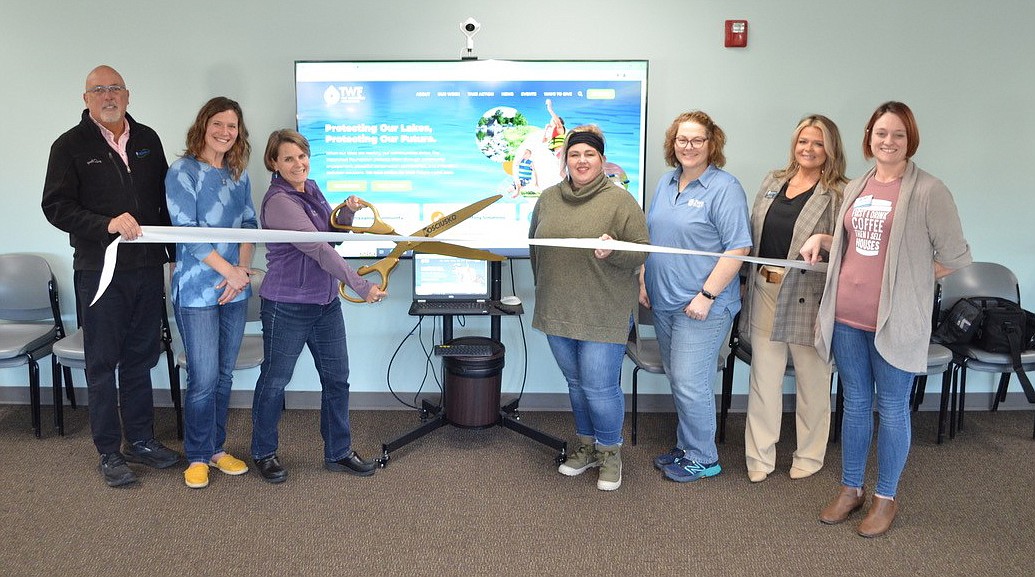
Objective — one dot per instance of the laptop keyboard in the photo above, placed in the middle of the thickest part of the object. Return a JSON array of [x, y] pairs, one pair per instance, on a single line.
[[450, 308], [463, 350]]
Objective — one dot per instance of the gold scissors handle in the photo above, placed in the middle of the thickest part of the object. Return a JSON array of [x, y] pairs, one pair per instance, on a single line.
[[383, 267], [378, 227]]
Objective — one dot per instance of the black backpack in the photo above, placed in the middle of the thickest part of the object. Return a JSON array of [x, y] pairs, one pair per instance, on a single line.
[[993, 324]]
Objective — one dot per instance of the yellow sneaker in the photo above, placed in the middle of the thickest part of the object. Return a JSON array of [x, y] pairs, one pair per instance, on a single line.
[[230, 465], [196, 476]]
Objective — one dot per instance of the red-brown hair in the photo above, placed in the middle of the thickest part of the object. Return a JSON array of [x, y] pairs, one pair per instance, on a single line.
[[904, 114]]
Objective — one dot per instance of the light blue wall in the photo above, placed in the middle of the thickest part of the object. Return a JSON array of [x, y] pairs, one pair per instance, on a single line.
[[963, 68]]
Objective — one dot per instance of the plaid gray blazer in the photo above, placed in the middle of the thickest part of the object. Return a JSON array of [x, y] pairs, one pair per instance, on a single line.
[[798, 301]]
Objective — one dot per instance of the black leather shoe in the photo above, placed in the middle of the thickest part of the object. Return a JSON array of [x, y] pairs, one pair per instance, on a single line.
[[115, 470], [353, 464], [151, 453], [271, 469]]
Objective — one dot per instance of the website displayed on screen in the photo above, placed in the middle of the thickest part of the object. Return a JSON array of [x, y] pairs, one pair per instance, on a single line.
[[421, 139]]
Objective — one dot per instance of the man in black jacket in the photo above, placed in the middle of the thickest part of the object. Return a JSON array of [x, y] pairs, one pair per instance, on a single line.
[[106, 177]]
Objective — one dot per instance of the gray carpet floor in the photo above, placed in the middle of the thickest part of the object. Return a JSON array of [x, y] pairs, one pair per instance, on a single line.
[[490, 502]]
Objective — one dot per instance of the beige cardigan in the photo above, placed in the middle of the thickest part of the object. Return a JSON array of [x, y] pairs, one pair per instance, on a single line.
[[926, 228]]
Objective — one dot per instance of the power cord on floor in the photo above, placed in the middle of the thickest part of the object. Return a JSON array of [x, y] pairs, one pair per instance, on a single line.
[[428, 365]]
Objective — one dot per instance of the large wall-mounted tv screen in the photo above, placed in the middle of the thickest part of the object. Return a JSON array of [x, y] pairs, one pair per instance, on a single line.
[[420, 139]]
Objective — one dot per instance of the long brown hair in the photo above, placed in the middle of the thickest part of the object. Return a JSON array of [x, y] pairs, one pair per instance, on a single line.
[[236, 158]]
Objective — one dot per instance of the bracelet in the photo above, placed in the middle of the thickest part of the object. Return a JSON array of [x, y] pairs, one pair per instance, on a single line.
[[707, 295]]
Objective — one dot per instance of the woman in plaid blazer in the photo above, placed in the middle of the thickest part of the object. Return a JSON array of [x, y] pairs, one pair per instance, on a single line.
[[779, 314]]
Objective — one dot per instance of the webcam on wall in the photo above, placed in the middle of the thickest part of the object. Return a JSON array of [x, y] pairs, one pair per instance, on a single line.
[[470, 27]]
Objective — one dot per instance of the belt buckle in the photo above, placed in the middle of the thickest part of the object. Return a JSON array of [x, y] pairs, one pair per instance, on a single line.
[[772, 275]]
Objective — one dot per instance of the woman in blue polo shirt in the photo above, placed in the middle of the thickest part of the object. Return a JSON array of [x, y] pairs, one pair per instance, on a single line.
[[696, 206]]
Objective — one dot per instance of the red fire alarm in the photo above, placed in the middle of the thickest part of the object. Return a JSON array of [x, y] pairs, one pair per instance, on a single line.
[[736, 33]]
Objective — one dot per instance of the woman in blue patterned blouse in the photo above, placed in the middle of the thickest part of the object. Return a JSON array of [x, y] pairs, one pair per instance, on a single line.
[[208, 187]]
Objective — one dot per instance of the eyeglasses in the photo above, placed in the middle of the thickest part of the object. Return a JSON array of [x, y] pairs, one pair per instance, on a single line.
[[110, 89], [693, 143]]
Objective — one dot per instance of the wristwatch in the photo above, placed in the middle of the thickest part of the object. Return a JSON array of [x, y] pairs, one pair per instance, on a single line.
[[707, 295]]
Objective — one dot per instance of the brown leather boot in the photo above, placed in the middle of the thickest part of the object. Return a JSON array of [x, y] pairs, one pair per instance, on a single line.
[[847, 502], [878, 519]]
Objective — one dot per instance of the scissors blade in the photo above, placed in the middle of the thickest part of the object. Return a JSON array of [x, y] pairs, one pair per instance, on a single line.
[[452, 219], [458, 251]]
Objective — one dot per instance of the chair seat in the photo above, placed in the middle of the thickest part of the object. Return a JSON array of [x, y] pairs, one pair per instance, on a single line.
[[69, 351], [743, 352], [938, 359], [646, 354], [19, 339], [250, 355], [976, 355]]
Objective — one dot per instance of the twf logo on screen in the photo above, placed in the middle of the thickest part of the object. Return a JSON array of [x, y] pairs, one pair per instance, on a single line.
[[343, 95]]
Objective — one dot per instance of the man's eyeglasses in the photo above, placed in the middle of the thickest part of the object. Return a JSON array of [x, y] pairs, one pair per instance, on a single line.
[[693, 143], [110, 89]]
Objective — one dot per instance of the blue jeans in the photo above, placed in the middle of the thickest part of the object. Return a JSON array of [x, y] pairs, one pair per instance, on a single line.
[[690, 353], [863, 371], [594, 373], [211, 341], [286, 327]]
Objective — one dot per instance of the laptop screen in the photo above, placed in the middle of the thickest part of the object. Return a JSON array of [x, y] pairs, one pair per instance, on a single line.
[[438, 277]]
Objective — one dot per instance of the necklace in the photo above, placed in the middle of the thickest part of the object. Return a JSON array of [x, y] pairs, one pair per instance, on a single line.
[[224, 174]]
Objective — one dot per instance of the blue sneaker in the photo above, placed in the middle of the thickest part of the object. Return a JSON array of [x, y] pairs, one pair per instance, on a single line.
[[686, 470], [662, 461]]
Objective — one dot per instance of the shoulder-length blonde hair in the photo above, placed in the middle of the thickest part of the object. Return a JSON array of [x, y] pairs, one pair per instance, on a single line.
[[833, 176], [236, 159], [716, 138]]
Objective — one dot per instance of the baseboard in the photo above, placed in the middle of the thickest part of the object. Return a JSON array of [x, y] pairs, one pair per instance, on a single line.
[[381, 401]]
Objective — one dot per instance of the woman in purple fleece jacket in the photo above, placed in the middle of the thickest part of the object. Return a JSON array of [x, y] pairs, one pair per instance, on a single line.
[[300, 307]]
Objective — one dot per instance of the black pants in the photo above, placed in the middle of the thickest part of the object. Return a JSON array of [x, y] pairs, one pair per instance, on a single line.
[[122, 330]]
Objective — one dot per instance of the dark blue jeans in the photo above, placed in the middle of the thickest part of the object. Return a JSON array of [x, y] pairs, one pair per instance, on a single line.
[[211, 339], [121, 331], [286, 327]]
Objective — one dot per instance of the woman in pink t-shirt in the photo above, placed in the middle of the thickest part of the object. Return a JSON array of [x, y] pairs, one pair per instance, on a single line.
[[897, 231]]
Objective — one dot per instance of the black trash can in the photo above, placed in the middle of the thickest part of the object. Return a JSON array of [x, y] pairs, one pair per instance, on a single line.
[[472, 397]]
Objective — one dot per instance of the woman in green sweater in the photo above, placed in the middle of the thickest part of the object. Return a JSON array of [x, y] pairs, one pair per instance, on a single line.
[[585, 300]]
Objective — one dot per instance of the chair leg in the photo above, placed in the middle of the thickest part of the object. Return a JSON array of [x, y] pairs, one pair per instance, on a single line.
[[962, 402], [34, 396], [726, 398], [634, 396], [177, 398], [1000, 393], [69, 387], [59, 401], [919, 388], [839, 410], [948, 377]]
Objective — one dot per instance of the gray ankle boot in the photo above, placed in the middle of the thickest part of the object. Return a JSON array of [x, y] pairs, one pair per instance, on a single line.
[[583, 458], [610, 459]]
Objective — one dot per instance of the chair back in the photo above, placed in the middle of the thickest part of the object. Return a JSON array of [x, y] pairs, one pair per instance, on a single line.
[[26, 283], [979, 279], [255, 301]]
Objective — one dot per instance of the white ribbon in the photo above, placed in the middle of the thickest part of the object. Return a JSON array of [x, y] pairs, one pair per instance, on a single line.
[[177, 234]]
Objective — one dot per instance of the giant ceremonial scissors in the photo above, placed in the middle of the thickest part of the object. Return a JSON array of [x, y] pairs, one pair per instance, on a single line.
[[385, 266]]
